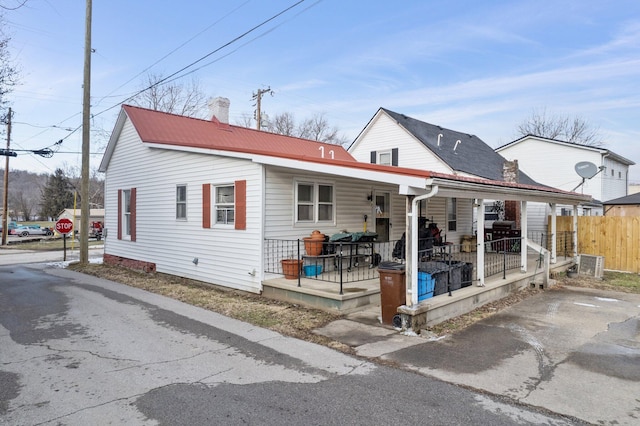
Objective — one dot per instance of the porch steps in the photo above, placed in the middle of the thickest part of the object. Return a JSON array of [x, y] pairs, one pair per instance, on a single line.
[[325, 296]]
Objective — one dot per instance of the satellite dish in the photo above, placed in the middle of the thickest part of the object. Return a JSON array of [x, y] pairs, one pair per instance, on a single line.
[[586, 169]]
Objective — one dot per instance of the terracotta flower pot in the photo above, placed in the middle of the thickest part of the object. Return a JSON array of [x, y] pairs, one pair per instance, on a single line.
[[313, 246], [291, 268]]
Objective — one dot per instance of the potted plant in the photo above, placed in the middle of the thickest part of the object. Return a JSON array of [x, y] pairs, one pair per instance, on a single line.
[[291, 267], [313, 244]]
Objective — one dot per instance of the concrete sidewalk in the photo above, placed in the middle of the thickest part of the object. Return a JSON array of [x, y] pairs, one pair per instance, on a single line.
[[18, 256], [574, 351]]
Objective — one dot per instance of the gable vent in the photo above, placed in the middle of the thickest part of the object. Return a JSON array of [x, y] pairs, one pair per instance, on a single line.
[[591, 265]]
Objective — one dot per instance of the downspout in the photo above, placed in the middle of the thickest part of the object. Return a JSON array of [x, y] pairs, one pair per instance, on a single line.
[[412, 252]]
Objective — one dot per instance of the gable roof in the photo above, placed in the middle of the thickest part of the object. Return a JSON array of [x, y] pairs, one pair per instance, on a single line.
[[156, 127], [461, 151], [633, 199], [600, 150]]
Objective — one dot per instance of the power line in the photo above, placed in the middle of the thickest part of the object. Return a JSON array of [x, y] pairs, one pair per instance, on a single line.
[[163, 80], [172, 52], [175, 75]]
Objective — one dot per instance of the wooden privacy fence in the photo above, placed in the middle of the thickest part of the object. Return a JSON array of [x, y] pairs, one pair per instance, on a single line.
[[617, 238]]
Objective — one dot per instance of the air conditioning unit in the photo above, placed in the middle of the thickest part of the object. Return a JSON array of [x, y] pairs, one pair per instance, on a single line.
[[591, 265]]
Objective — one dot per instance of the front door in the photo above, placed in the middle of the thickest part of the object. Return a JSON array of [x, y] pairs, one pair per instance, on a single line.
[[382, 213]]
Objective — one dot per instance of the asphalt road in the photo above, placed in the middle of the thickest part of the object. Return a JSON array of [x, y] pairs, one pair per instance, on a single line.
[[574, 351], [77, 350]]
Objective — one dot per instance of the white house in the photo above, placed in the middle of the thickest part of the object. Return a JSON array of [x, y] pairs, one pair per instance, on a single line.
[[396, 139], [553, 162], [214, 202]]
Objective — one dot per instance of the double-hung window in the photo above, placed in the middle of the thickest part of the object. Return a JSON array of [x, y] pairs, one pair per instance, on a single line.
[[452, 214], [126, 212], [225, 204], [181, 202], [315, 202], [384, 158]]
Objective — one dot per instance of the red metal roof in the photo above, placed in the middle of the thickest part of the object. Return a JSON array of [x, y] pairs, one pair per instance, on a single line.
[[163, 128]]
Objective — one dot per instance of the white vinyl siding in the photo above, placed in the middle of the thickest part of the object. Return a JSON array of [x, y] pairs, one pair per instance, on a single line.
[[412, 153], [225, 255]]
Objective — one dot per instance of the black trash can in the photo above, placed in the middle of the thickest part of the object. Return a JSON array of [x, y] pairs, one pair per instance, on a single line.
[[392, 289]]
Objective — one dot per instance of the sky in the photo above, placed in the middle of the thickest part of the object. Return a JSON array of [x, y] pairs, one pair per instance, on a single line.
[[479, 67]]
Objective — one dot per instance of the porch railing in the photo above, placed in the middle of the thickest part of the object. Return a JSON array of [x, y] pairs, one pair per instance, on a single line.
[[564, 242], [337, 262], [348, 262]]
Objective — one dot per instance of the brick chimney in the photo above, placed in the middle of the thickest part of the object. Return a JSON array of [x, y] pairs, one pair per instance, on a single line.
[[219, 108], [510, 173]]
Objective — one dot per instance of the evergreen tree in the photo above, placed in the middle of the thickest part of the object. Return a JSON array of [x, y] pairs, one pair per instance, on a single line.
[[57, 195]]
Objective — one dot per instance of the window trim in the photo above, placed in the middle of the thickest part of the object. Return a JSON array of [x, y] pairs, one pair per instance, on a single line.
[[315, 202], [181, 202], [125, 214], [228, 206]]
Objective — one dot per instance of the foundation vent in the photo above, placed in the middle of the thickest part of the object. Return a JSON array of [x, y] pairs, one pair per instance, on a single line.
[[591, 265]]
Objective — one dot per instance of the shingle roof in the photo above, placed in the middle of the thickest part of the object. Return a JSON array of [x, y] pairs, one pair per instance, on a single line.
[[163, 128], [461, 151], [632, 199]]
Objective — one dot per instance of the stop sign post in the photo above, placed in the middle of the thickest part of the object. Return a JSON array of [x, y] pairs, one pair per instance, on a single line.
[[64, 226]]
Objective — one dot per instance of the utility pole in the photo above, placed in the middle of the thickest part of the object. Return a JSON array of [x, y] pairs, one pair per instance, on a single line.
[[86, 134], [5, 194], [258, 98]]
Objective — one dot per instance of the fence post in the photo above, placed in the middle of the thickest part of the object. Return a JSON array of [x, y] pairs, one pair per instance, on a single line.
[[299, 284], [340, 264]]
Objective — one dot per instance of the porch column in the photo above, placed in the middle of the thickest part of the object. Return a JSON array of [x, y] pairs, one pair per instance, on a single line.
[[523, 236], [480, 240], [575, 232], [411, 255], [554, 233]]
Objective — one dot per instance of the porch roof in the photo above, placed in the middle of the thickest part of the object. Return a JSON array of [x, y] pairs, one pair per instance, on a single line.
[[417, 182]]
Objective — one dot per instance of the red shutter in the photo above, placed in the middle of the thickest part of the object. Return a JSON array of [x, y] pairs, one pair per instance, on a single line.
[[119, 214], [241, 205], [206, 205], [133, 214]]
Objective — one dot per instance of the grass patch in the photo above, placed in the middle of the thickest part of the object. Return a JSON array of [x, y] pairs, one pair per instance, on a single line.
[[614, 281]]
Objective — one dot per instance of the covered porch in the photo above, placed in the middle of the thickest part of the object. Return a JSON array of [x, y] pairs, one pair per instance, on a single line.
[[360, 288]]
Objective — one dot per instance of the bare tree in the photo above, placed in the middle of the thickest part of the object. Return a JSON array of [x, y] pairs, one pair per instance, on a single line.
[[282, 124], [8, 72], [182, 99], [245, 120], [553, 126], [316, 128]]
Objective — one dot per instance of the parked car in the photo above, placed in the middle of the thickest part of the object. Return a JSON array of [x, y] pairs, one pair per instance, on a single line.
[[28, 230], [11, 226]]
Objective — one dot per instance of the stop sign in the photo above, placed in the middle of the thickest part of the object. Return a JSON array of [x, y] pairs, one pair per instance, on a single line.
[[64, 226]]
